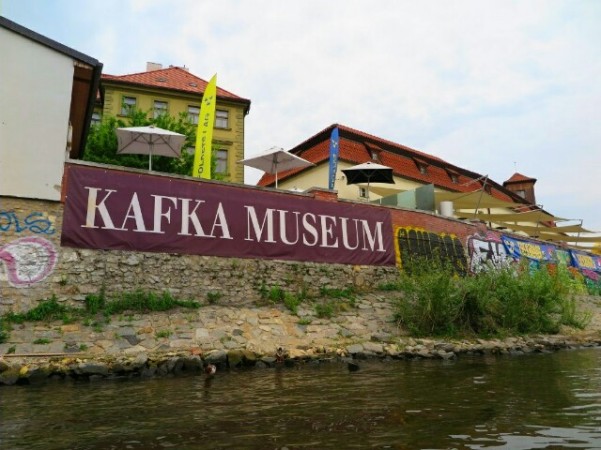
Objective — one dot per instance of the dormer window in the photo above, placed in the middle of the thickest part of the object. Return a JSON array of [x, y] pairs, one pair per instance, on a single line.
[[421, 165]]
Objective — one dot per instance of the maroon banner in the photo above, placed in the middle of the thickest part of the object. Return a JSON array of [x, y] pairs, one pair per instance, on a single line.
[[109, 209]]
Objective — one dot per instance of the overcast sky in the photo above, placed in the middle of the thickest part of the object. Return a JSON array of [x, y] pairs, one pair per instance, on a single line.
[[492, 86]]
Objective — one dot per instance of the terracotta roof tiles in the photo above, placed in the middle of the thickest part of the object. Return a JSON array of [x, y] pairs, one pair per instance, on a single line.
[[356, 146], [518, 178], [171, 78]]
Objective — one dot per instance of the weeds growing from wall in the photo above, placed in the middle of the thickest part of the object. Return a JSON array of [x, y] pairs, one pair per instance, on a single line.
[[438, 302], [95, 305]]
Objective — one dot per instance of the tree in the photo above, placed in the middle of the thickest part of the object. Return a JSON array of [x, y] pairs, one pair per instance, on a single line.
[[101, 145]]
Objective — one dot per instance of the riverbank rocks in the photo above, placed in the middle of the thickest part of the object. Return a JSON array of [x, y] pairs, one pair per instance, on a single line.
[[182, 342]]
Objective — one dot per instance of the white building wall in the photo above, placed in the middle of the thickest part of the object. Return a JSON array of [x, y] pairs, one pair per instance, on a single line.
[[35, 97]]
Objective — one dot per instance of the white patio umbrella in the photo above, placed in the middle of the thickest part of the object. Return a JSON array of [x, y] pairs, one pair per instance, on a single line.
[[275, 160], [368, 173], [150, 141]]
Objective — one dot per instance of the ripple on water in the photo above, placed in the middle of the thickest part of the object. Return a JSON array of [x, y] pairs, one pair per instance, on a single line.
[[402, 404]]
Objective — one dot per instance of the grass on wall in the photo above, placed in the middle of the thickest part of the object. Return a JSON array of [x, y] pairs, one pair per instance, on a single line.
[[515, 300]]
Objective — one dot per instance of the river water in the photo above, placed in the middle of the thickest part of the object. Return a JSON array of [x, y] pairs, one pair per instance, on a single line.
[[550, 401]]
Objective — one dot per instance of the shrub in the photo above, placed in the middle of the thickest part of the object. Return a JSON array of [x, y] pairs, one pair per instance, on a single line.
[[324, 310], [292, 302], [512, 300]]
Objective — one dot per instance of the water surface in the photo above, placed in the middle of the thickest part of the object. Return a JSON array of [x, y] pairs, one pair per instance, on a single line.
[[534, 401]]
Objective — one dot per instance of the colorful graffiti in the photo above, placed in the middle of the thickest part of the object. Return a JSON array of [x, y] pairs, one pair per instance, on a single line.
[[518, 248], [417, 242], [28, 260], [35, 222], [487, 252]]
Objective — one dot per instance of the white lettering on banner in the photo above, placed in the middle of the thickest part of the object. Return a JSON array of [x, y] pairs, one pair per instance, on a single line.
[[310, 229], [258, 230], [293, 227], [345, 236], [134, 207], [283, 228], [92, 207], [221, 223], [312, 234], [158, 212], [188, 216]]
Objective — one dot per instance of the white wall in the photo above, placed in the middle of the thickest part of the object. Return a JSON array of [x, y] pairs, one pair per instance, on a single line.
[[35, 97]]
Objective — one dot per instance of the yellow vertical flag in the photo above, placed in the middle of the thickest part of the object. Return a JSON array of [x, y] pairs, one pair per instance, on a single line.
[[204, 133]]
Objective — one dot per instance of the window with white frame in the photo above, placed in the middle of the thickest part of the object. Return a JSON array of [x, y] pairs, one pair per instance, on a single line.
[[221, 162], [221, 119], [193, 113], [362, 192], [128, 104], [160, 108]]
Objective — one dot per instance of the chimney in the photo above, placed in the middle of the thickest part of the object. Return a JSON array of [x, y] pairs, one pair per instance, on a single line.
[[150, 66], [522, 186]]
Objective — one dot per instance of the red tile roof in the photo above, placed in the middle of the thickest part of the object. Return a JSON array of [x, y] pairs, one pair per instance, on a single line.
[[518, 178], [356, 148], [172, 78]]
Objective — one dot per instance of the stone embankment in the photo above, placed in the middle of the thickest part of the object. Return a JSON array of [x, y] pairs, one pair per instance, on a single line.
[[159, 344]]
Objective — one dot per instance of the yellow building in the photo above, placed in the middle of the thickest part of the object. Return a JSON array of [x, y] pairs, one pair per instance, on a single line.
[[175, 90]]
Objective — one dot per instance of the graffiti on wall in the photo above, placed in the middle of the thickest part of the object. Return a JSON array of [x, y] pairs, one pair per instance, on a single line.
[[28, 260], [34, 222], [534, 251], [487, 252], [417, 242]]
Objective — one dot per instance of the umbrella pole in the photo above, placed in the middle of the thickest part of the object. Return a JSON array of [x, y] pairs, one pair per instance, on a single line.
[[150, 157]]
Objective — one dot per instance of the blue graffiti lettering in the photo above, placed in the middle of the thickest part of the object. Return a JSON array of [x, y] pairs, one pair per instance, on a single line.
[[35, 222]]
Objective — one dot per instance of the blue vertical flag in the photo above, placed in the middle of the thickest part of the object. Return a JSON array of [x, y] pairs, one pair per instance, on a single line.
[[334, 149]]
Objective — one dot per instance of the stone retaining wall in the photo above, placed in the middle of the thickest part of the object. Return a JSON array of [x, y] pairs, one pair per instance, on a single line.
[[159, 344]]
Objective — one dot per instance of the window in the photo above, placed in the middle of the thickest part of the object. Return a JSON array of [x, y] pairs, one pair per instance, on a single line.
[[221, 119], [221, 160], [362, 192], [96, 118], [454, 178], [521, 193], [128, 104], [160, 108], [423, 169], [193, 113]]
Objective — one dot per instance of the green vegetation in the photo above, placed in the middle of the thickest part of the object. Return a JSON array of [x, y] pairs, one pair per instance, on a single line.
[[42, 341], [4, 332], [437, 302], [101, 145], [163, 334], [45, 310], [276, 294], [141, 301], [213, 297], [329, 302], [95, 304], [324, 310], [292, 302]]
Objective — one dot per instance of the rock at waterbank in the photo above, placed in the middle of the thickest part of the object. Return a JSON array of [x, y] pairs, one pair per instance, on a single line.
[[31, 370]]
